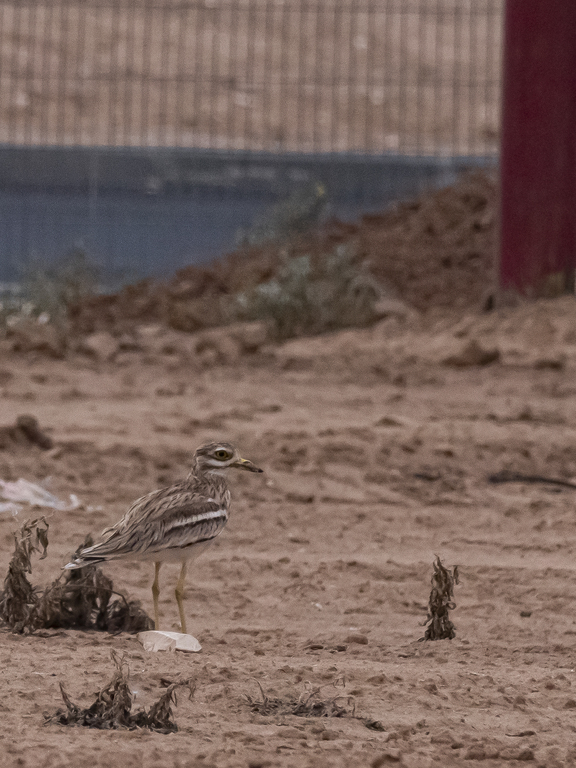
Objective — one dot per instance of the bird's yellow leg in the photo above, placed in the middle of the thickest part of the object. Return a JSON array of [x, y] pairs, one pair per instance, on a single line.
[[179, 592], [155, 594]]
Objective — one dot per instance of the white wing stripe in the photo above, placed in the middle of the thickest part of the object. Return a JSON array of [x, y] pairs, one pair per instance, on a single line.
[[198, 519]]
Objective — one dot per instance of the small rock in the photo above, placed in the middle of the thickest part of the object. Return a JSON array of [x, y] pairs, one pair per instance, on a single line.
[[475, 752], [217, 345], [300, 498], [128, 343], [524, 754], [150, 331], [553, 362], [288, 732], [29, 336], [156, 340], [251, 336], [390, 756], [472, 353], [193, 314], [389, 421], [357, 638], [444, 449], [102, 345], [297, 354], [387, 306]]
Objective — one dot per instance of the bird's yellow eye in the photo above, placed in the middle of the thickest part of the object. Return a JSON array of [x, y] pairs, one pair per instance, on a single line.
[[222, 455]]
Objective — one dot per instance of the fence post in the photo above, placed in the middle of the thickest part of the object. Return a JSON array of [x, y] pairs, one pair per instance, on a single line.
[[538, 151]]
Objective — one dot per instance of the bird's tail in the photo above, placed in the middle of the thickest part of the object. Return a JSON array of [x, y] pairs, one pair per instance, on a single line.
[[86, 555], [82, 562]]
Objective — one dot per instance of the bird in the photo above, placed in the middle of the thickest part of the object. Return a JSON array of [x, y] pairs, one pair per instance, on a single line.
[[173, 524]]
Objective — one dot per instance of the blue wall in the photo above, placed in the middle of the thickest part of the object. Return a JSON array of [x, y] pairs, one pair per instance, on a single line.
[[140, 212]]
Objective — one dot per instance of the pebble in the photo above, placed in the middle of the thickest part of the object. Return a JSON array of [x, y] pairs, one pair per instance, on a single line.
[[356, 638], [390, 756]]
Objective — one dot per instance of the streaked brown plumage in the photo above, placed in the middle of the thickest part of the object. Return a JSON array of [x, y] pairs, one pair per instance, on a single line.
[[173, 524]]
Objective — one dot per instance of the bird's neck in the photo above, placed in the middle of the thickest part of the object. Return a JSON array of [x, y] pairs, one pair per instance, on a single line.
[[212, 480]]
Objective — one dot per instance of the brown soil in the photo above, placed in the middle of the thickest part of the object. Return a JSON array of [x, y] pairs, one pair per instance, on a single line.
[[436, 251], [376, 456]]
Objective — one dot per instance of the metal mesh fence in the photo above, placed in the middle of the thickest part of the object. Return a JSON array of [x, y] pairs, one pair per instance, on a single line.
[[370, 76]]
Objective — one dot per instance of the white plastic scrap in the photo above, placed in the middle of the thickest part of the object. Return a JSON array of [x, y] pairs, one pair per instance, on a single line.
[[155, 640], [9, 507], [24, 492]]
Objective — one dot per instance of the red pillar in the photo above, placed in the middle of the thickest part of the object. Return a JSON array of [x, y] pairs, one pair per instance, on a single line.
[[538, 151]]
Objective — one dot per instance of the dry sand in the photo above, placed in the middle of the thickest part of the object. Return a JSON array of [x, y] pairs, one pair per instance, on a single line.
[[376, 457]]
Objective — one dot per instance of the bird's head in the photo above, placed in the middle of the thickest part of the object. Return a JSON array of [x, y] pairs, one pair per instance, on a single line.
[[217, 458]]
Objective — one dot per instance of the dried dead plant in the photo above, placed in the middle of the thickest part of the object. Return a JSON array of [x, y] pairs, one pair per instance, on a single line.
[[310, 703], [86, 599], [19, 599], [112, 708], [441, 602], [77, 599]]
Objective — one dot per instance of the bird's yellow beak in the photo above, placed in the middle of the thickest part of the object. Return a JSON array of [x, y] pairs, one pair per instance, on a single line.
[[247, 465]]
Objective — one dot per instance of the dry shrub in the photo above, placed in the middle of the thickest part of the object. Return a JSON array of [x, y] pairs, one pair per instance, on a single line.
[[310, 703], [441, 602], [19, 599], [112, 708], [77, 599]]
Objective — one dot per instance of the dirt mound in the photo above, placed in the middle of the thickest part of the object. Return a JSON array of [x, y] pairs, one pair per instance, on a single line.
[[190, 301], [436, 251]]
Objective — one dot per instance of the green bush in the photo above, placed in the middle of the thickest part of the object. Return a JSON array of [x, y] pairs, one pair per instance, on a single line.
[[49, 290], [294, 215], [310, 297]]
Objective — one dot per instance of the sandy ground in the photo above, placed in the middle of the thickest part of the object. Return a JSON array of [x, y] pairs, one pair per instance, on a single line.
[[373, 467]]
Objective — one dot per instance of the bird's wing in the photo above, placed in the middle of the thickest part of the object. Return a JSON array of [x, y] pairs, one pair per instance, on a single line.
[[165, 519]]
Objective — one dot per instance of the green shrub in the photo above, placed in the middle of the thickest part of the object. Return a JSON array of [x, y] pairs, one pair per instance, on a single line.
[[294, 215], [53, 288], [47, 290], [310, 297]]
